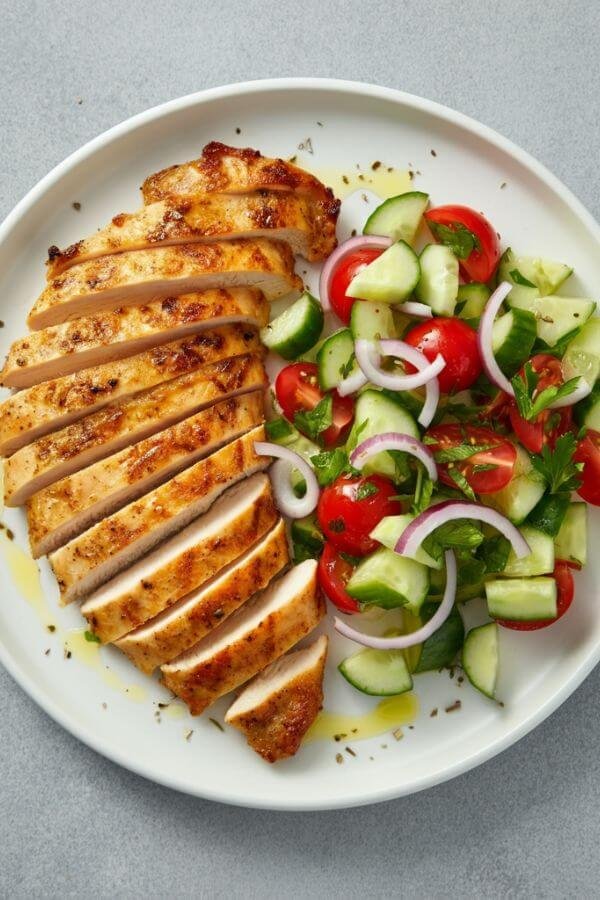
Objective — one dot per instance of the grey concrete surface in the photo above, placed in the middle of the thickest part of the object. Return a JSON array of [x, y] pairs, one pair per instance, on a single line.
[[73, 824]]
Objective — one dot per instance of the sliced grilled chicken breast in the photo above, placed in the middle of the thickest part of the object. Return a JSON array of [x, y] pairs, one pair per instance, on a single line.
[[190, 619], [49, 406], [66, 508], [211, 217], [251, 639], [184, 562], [134, 278], [94, 340], [119, 425], [116, 542], [278, 707]]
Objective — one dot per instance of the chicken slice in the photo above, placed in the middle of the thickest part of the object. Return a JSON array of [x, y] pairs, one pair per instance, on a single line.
[[252, 638], [181, 626], [211, 217], [278, 707], [49, 406], [69, 506], [134, 278], [184, 562], [93, 340], [121, 424]]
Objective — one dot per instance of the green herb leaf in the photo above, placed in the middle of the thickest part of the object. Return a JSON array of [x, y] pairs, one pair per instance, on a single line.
[[529, 403], [347, 367], [353, 560], [301, 552], [494, 552], [312, 422], [401, 466], [461, 483], [423, 492], [279, 429], [461, 451], [91, 637], [366, 489], [556, 466], [329, 465], [460, 239], [520, 279], [461, 534]]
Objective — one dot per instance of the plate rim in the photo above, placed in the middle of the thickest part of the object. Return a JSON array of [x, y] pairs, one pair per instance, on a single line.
[[34, 689]]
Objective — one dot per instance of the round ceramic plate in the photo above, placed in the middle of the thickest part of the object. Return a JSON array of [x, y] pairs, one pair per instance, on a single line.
[[96, 694]]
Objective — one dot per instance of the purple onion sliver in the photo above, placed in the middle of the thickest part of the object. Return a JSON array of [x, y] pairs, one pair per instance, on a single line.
[[411, 308], [392, 440], [368, 357], [485, 336], [289, 504], [352, 383]]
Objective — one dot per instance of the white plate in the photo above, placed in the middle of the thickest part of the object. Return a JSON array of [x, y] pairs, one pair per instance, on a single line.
[[534, 213]]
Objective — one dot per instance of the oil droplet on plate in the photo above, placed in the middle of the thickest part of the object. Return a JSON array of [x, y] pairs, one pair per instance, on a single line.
[[89, 653], [390, 713], [25, 574], [345, 181]]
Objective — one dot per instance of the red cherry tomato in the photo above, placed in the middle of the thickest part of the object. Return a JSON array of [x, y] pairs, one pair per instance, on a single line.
[[297, 388], [345, 271], [588, 453], [457, 343], [502, 455], [550, 424], [334, 574], [351, 507], [482, 261], [565, 590]]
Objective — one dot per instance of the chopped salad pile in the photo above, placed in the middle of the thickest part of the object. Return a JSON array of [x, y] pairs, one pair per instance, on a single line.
[[441, 443]]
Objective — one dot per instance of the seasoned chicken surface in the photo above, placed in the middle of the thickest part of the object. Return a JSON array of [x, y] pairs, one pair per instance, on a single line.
[[46, 407], [116, 542], [184, 562], [190, 619], [276, 709], [252, 638], [134, 278], [69, 506], [286, 217], [121, 424], [109, 336]]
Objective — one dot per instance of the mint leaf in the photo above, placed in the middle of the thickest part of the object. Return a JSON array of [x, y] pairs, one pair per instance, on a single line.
[[556, 466], [520, 279], [329, 465], [461, 483], [347, 367], [529, 403], [460, 239], [423, 492], [91, 637], [461, 534], [461, 451], [552, 393], [279, 430], [366, 489], [494, 552], [312, 422]]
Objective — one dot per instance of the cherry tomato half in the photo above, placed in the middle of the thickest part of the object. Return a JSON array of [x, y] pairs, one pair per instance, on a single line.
[[549, 424], [475, 231], [347, 268], [297, 388], [351, 507], [565, 590], [588, 453], [334, 574], [457, 342], [502, 455]]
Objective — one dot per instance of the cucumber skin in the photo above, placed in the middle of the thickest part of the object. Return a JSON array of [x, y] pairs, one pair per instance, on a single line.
[[571, 541], [330, 347], [441, 648], [513, 610], [296, 345], [509, 358], [307, 532], [473, 637], [549, 513], [425, 291], [404, 233], [361, 684]]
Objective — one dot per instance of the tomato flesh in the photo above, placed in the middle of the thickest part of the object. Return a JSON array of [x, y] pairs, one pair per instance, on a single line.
[[297, 388], [588, 453], [549, 424], [351, 507], [334, 573], [483, 260], [345, 271], [565, 591], [457, 343], [501, 455]]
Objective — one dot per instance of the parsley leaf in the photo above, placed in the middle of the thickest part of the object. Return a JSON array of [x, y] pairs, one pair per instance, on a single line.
[[91, 637], [462, 534], [366, 489], [529, 403], [329, 465], [556, 466], [461, 451], [279, 429], [460, 239], [312, 422], [347, 367], [518, 278]]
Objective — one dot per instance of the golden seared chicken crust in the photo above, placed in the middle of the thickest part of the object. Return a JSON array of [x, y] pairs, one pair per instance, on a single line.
[[135, 277]]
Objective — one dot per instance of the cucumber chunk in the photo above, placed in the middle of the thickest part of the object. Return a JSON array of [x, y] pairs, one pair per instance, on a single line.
[[335, 359], [513, 336], [571, 541], [307, 532], [441, 648], [372, 320], [388, 580], [545, 274], [388, 532], [587, 412], [471, 299], [523, 289], [381, 673], [377, 413], [522, 599], [548, 514], [582, 356], [480, 658], [390, 278], [438, 285], [296, 330], [539, 562], [521, 494], [399, 217], [557, 317]]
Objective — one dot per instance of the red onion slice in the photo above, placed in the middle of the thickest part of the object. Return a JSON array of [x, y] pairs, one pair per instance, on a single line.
[[416, 531], [289, 504], [391, 440], [349, 246], [411, 308], [416, 637], [352, 383], [582, 390], [368, 357], [484, 338]]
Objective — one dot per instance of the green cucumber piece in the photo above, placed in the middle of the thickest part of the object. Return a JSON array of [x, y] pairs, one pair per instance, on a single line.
[[582, 356], [296, 330], [471, 299], [306, 448], [335, 359], [438, 285], [544, 274], [441, 648], [372, 320], [307, 532], [539, 562], [399, 217], [480, 658], [548, 514], [380, 673], [388, 532], [587, 412], [376, 413], [513, 337], [523, 290], [570, 543], [280, 431], [388, 580], [522, 599], [390, 278], [558, 317], [521, 494]]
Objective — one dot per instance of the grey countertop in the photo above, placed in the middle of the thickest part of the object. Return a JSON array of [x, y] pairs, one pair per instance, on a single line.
[[525, 824]]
